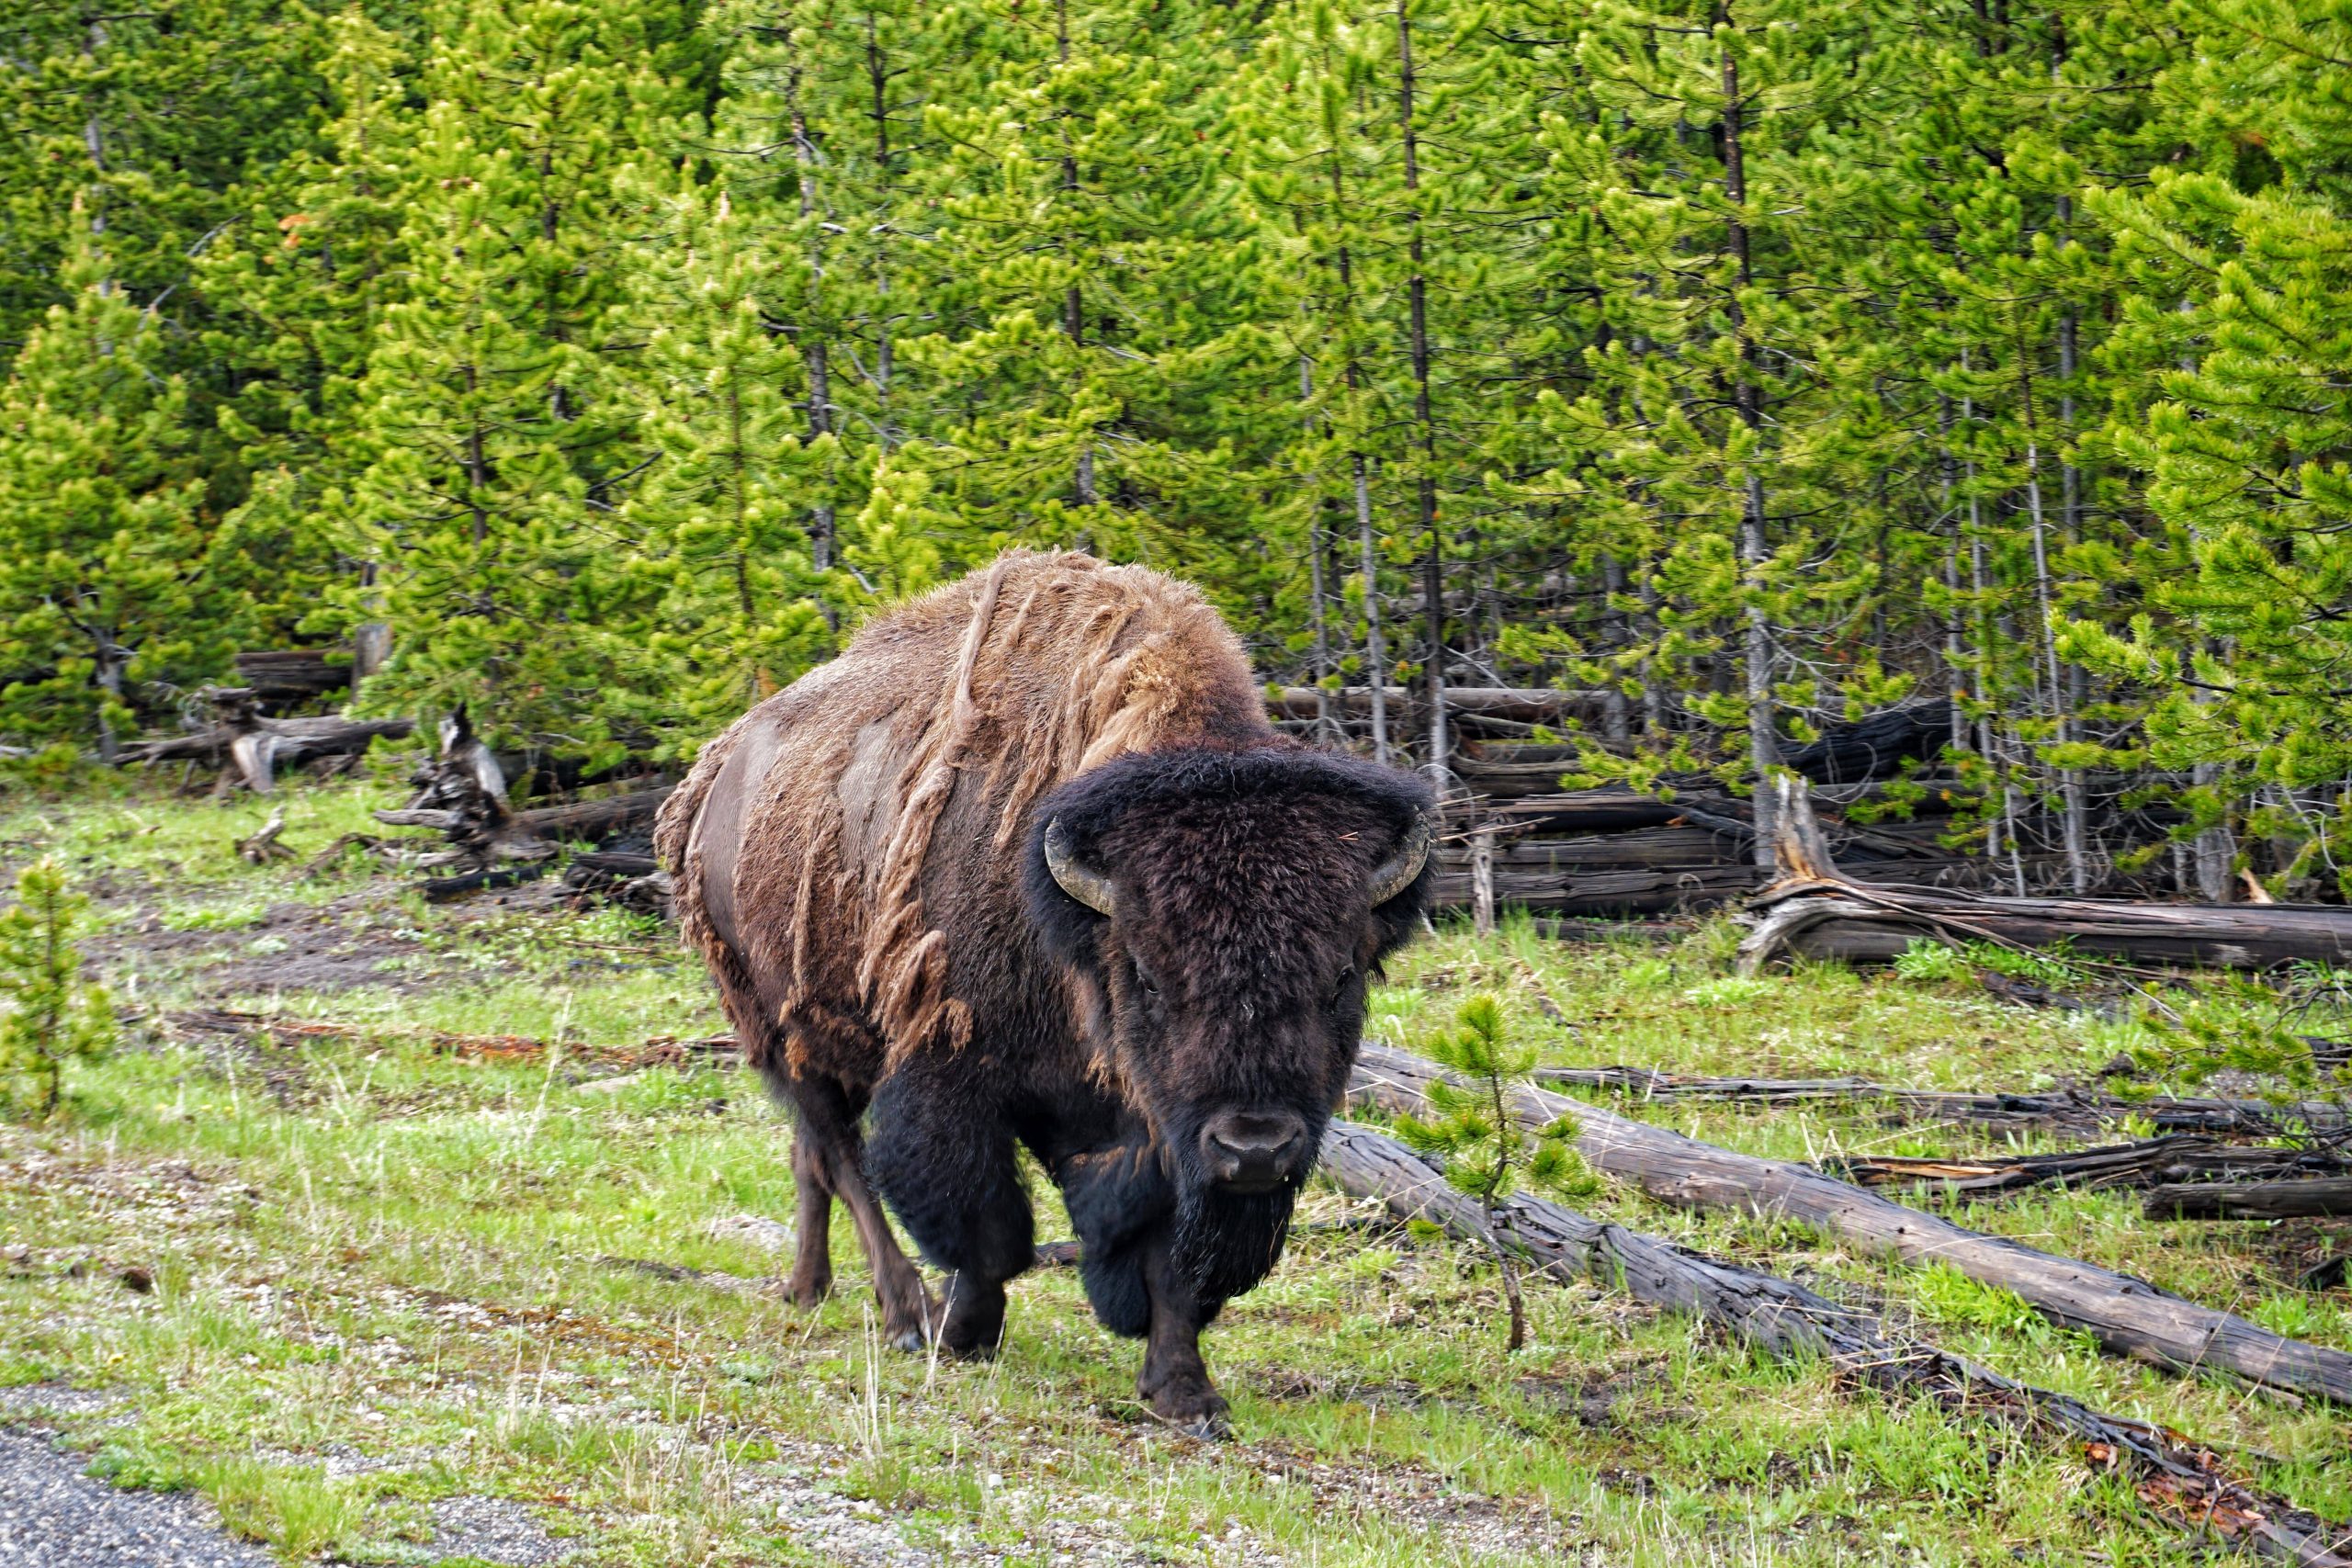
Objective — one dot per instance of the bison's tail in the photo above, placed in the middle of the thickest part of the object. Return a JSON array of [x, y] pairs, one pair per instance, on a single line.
[[681, 856]]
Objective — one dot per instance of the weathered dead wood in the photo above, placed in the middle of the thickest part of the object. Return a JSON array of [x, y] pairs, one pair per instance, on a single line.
[[632, 881], [2183, 1482], [1616, 892], [262, 846], [1526, 705], [2126, 1316], [2147, 1162], [292, 740], [592, 819], [2063, 1108], [334, 851], [285, 674], [441, 889], [2323, 1197], [1874, 922], [662, 1050]]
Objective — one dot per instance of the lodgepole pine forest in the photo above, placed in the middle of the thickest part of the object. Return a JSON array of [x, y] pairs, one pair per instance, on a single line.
[[1743, 370]]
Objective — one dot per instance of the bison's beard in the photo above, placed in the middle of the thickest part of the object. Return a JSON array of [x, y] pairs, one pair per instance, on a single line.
[[1223, 1243], [1219, 1244]]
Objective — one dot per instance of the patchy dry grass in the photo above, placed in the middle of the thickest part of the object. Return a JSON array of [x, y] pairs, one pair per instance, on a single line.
[[384, 1303]]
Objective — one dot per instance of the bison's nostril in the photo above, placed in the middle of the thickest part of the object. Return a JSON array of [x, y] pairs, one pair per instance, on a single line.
[[1253, 1148]]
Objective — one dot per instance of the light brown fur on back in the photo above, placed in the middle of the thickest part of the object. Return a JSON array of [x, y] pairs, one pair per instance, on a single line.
[[815, 841]]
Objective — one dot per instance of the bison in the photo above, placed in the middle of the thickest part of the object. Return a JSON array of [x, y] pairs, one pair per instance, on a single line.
[[1027, 865]]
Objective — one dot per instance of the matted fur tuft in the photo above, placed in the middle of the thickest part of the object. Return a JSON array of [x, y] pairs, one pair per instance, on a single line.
[[957, 710]]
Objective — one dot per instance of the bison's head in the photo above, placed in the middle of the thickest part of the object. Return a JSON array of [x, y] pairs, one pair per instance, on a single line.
[[1224, 912]]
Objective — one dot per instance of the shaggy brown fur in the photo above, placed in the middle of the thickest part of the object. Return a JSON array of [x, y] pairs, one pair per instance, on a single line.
[[850, 859], [966, 704]]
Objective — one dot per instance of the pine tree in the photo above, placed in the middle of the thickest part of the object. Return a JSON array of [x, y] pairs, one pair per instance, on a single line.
[[2241, 311], [105, 580], [720, 521], [1717, 196], [1107, 299], [496, 443], [127, 128]]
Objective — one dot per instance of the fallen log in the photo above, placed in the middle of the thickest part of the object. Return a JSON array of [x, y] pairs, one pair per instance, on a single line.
[[291, 741], [2323, 1197], [2061, 1109], [1817, 910], [592, 819], [291, 674], [662, 1050], [2181, 1480], [1875, 746], [441, 889], [2126, 1316], [1614, 892], [2147, 1162], [1527, 704], [1874, 923]]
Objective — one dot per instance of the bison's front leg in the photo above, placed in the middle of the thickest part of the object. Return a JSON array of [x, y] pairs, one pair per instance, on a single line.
[[944, 1158], [1175, 1381]]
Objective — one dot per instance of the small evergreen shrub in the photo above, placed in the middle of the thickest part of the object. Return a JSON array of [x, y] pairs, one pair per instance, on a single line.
[[49, 1014], [1488, 1146]]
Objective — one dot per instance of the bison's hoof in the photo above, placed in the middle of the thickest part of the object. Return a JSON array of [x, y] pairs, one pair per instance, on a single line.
[[1201, 1416], [914, 1341]]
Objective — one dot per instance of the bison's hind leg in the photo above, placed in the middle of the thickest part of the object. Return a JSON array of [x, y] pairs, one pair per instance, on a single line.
[[828, 1162], [812, 1258]]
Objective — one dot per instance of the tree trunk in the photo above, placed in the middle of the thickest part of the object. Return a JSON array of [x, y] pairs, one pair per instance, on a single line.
[[1376, 661], [1755, 551], [1417, 294]]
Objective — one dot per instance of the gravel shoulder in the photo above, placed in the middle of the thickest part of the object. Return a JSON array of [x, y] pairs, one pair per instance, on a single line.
[[52, 1515]]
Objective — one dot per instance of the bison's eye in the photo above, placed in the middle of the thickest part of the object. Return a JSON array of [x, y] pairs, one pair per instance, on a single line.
[[1150, 988], [1340, 986]]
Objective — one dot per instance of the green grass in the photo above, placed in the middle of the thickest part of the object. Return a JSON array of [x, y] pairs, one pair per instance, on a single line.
[[367, 1246]]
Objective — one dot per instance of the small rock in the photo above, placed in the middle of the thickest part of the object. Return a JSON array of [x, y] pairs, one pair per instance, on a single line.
[[769, 1236]]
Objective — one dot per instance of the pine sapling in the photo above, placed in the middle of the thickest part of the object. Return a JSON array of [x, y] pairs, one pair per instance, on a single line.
[[1488, 1147], [49, 1014]]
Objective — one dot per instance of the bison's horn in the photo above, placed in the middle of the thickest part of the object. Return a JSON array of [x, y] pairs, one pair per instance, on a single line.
[[1078, 879], [1396, 873]]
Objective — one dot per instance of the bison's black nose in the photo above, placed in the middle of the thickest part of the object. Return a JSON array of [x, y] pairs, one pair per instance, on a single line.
[[1251, 1151]]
